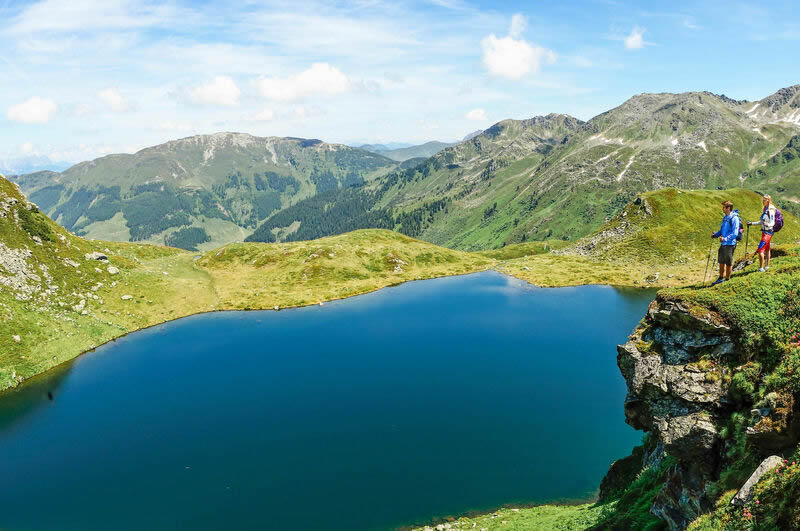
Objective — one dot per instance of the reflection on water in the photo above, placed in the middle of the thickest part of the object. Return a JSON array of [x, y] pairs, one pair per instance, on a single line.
[[16, 405]]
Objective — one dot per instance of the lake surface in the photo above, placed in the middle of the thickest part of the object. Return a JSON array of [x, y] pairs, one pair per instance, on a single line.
[[419, 401]]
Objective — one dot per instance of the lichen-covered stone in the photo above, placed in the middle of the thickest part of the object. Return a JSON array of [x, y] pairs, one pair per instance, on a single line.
[[680, 401]]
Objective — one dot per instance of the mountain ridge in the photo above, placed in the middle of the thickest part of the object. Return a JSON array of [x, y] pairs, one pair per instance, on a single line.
[[540, 178], [216, 187]]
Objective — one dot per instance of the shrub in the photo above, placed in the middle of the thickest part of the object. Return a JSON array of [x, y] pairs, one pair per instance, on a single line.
[[787, 375], [744, 383], [34, 223]]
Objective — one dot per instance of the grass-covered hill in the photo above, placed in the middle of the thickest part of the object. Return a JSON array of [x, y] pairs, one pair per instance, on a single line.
[[61, 294], [555, 177], [661, 238], [198, 191]]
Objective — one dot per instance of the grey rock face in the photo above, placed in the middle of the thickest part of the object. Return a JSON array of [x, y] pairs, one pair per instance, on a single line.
[[745, 494], [670, 395]]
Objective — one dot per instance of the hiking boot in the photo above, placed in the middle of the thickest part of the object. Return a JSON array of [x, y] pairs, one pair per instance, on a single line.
[[720, 280], [761, 269]]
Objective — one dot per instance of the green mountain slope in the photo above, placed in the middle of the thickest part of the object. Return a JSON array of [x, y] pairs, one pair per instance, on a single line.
[[555, 177], [220, 186], [445, 194], [692, 140]]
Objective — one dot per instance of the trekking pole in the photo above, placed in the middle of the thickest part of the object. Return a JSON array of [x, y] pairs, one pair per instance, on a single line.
[[708, 261], [746, 242]]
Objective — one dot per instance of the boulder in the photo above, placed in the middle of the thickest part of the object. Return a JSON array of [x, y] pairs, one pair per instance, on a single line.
[[653, 278], [745, 494], [127, 297], [689, 437], [96, 256], [16, 339], [678, 317], [112, 270]]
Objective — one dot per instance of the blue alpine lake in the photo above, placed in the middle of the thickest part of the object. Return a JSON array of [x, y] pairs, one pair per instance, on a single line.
[[416, 402]]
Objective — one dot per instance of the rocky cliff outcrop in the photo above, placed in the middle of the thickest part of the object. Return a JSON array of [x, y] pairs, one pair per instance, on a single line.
[[677, 365]]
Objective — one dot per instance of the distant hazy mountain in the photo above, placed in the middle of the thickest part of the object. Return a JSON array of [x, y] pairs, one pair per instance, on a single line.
[[557, 177], [472, 135], [30, 163], [384, 147], [208, 189], [427, 149]]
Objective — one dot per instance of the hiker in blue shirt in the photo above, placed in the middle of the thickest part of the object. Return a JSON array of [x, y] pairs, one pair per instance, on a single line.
[[728, 235]]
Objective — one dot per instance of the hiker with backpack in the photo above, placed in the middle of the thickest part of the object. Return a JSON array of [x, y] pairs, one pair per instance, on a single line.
[[771, 222], [729, 234]]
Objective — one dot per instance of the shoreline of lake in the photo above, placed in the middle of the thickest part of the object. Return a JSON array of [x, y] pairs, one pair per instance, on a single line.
[[265, 308]]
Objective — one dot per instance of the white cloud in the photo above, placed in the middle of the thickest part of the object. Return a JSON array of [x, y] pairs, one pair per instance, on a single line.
[[33, 111], [321, 79], [113, 99], [264, 116], [26, 148], [222, 90], [513, 58], [478, 115], [518, 25], [635, 40]]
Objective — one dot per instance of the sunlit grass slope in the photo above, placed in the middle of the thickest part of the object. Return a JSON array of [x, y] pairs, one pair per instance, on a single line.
[[551, 517], [250, 275], [665, 232]]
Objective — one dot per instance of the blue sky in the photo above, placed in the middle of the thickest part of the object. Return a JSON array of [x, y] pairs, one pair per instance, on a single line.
[[82, 78]]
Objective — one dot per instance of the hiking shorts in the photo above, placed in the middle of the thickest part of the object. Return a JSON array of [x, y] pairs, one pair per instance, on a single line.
[[725, 254], [763, 246]]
